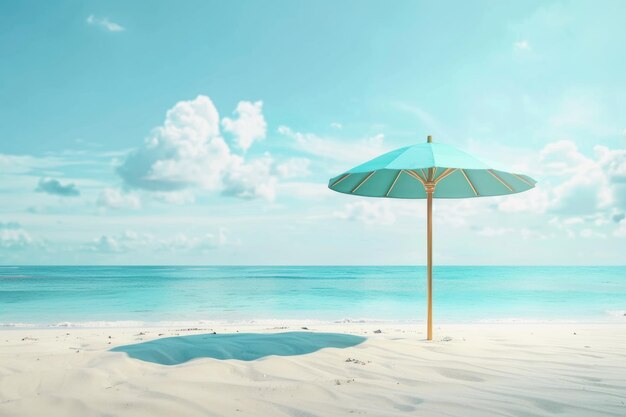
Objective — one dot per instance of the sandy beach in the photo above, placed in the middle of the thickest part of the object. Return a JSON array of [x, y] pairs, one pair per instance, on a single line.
[[468, 370]]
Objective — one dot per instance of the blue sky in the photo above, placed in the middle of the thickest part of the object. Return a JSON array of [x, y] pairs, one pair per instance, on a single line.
[[205, 132]]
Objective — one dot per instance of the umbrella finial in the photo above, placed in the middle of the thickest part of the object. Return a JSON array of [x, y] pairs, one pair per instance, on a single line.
[[430, 139]]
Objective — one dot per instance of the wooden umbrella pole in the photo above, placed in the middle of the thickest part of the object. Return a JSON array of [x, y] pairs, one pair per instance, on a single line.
[[429, 187], [429, 233]]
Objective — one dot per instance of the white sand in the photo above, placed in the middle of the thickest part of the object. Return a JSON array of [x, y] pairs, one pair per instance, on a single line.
[[484, 370]]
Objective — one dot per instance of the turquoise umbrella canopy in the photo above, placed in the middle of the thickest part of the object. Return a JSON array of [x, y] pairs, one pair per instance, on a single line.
[[427, 171], [403, 173]]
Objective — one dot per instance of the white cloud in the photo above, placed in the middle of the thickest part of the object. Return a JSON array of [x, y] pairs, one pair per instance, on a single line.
[[572, 183], [13, 237], [574, 187], [522, 44], [336, 125], [188, 151], [249, 126], [586, 185], [368, 212], [113, 198], [294, 168], [104, 23], [127, 241], [536, 201], [346, 151], [613, 163], [562, 158], [250, 180], [106, 244], [583, 193]]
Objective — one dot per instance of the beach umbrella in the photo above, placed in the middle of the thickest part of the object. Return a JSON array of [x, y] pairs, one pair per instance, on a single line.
[[426, 171]]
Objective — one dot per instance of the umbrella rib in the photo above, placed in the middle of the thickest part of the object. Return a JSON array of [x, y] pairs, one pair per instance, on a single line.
[[522, 179], [417, 177], [362, 182], [500, 179], [424, 174], [394, 183], [445, 174], [340, 179], [469, 182]]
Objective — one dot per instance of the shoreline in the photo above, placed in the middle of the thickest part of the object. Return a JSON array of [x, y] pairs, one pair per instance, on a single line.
[[618, 319]]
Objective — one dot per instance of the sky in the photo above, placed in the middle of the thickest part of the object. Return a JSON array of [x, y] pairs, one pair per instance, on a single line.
[[205, 132]]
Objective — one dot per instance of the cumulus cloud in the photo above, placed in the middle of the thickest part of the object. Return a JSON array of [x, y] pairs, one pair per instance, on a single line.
[[106, 244], [105, 23], [250, 180], [113, 198], [572, 182], [578, 190], [13, 237], [562, 158], [368, 212], [188, 151], [535, 202], [54, 187], [249, 125], [586, 184]]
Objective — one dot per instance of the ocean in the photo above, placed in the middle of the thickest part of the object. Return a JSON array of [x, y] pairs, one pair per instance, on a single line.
[[161, 295]]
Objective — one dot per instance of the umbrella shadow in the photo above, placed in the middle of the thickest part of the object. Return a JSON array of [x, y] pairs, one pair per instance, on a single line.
[[239, 346]]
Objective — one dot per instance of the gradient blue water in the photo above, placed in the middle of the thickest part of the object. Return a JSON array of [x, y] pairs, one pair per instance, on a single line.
[[34, 294]]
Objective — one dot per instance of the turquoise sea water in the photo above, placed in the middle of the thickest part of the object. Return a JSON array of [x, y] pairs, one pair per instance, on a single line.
[[95, 295]]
